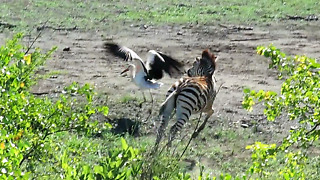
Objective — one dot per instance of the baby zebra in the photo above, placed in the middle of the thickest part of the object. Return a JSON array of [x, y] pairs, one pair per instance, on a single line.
[[189, 95]]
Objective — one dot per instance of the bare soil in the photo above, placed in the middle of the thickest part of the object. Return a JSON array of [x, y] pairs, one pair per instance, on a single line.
[[238, 64]]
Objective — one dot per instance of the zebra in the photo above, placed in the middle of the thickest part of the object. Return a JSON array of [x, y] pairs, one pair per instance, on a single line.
[[189, 95]]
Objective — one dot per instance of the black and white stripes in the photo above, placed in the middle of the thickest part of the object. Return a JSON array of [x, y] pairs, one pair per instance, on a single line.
[[189, 95]]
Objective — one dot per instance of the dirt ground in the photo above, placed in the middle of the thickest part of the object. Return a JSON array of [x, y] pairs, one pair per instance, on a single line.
[[238, 64]]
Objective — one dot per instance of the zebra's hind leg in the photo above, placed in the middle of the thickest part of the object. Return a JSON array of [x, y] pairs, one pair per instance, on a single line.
[[173, 131]]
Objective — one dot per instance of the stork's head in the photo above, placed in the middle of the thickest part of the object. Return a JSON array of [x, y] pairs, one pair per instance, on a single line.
[[129, 68]]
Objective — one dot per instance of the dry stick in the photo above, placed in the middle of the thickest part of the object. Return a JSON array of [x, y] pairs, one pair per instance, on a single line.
[[249, 39], [35, 145], [7, 25], [35, 39], [57, 28], [166, 145], [314, 128], [163, 148], [219, 88], [196, 129], [236, 27], [174, 150]]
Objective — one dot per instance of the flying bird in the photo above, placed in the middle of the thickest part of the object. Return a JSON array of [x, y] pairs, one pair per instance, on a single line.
[[145, 74]]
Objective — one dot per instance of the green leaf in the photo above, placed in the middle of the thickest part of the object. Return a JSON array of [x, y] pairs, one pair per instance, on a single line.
[[104, 110], [246, 90], [108, 125], [98, 169], [124, 143], [85, 170]]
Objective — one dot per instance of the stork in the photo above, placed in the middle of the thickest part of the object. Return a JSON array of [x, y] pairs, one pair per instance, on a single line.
[[145, 74]]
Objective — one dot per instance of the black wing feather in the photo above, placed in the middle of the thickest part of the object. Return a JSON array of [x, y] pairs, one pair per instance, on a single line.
[[116, 50], [171, 66], [156, 68]]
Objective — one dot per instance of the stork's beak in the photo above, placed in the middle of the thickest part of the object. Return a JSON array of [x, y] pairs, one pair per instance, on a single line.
[[124, 71]]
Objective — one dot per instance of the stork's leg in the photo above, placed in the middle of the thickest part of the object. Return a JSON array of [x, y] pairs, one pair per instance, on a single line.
[[150, 110], [151, 101], [151, 98], [144, 97]]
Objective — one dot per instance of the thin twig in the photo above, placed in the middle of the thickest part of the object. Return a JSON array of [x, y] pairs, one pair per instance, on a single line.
[[219, 88], [314, 128], [35, 146], [195, 130], [35, 39], [248, 39], [233, 27], [174, 150], [58, 28], [7, 25]]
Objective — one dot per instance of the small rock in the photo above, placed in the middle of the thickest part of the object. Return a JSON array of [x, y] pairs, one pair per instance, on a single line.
[[66, 49], [293, 127], [144, 26], [244, 125], [179, 33]]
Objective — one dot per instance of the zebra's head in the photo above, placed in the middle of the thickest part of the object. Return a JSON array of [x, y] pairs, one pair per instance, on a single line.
[[204, 66]]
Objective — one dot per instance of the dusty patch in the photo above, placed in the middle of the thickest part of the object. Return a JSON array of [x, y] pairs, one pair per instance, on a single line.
[[80, 58]]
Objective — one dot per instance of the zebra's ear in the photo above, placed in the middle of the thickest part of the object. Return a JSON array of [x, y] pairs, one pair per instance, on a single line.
[[209, 56]]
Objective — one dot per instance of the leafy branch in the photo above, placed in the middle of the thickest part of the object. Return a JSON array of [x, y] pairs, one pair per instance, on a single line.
[[26, 121], [298, 100]]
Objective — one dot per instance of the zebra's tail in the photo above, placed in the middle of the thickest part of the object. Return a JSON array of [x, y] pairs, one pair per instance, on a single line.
[[168, 105]]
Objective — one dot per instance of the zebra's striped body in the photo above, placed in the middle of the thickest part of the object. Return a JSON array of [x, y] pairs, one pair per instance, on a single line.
[[189, 95]]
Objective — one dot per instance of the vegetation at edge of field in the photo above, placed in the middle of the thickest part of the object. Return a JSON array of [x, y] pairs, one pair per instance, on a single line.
[[100, 14]]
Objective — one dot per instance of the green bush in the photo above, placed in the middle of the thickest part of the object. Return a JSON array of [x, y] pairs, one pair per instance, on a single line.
[[30, 125], [119, 163], [26, 121], [299, 101], [299, 98]]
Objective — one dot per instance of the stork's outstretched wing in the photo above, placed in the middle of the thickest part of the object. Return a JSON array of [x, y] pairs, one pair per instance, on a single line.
[[158, 62], [121, 51], [127, 54]]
